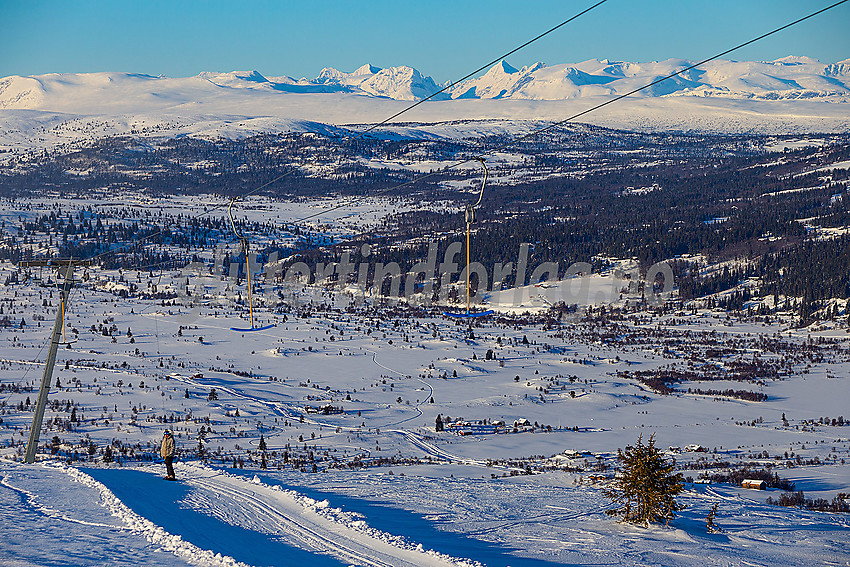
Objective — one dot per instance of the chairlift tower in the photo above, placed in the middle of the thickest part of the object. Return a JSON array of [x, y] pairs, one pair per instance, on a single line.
[[38, 415]]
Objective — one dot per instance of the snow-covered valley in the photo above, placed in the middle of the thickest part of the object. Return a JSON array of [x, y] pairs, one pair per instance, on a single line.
[[673, 267], [314, 440], [62, 112]]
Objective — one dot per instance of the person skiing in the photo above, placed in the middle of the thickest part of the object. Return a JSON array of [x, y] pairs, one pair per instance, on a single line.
[[167, 452]]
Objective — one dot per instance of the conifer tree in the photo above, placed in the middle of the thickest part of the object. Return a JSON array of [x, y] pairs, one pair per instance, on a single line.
[[646, 489], [710, 526]]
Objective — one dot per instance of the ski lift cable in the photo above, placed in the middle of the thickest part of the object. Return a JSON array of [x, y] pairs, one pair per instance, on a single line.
[[244, 244], [243, 240], [34, 362], [675, 74], [485, 66], [63, 298], [506, 145], [526, 136], [396, 115], [37, 357], [554, 125], [469, 216], [372, 127]]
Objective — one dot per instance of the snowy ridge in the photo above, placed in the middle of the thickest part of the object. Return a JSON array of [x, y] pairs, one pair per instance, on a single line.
[[793, 95], [399, 83], [154, 534], [786, 78], [21, 92], [308, 523], [790, 77]]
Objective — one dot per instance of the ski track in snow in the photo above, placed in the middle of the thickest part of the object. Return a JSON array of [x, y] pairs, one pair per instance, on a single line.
[[311, 524], [33, 500], [143, 526], [297, 520]]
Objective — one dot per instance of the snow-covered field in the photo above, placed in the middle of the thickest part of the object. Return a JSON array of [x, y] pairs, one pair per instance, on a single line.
[[345, 398]]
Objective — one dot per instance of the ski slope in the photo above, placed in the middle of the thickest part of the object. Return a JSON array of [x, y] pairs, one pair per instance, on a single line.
[[130, 516], [209, 517]]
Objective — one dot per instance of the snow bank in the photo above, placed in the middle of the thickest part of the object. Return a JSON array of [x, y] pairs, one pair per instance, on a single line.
[[153, 533], [347, 520]]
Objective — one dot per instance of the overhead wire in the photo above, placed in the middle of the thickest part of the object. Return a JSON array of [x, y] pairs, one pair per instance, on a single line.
[[679, 72], [364, 132], [30, 364], [554, 125], [468, 75], [44, 343], [460, 163], [502, 147]]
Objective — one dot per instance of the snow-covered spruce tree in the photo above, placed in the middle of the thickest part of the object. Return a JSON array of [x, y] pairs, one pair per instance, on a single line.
[[646, 488], [710, 526]]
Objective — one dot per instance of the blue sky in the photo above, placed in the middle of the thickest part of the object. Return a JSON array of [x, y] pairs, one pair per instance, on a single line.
[[444, 39]]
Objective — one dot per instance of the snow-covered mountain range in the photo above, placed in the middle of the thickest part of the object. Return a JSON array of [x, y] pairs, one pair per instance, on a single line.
[[786, 78], [790, 77], [792, 95]]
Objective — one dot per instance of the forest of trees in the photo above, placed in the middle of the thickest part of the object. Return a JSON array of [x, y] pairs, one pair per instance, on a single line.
[[572, 198]]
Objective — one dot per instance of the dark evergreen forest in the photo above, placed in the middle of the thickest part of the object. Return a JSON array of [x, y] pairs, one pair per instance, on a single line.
[[579, 193]]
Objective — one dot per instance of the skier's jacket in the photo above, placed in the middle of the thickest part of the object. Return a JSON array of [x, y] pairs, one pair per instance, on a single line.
[[167, 449]]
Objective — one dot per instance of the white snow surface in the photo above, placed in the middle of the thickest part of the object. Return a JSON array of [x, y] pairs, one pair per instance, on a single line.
[[794, 78], [117, 516], [451, 499], [290, 523], [790, 95]]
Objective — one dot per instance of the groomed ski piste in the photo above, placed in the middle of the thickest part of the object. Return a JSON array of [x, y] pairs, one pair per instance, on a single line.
[[61, 515], [211, 518]]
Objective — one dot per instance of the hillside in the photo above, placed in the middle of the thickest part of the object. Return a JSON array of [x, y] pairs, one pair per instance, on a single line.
[[793, 95]]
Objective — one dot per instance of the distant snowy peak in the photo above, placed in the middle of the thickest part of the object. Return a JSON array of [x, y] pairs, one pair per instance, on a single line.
[[21, 92], [366, 69], [788, 78], [399, 83], [330, 75], [502, 67], [796, 60], [500, 81], [837, 69], [237, 79]]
